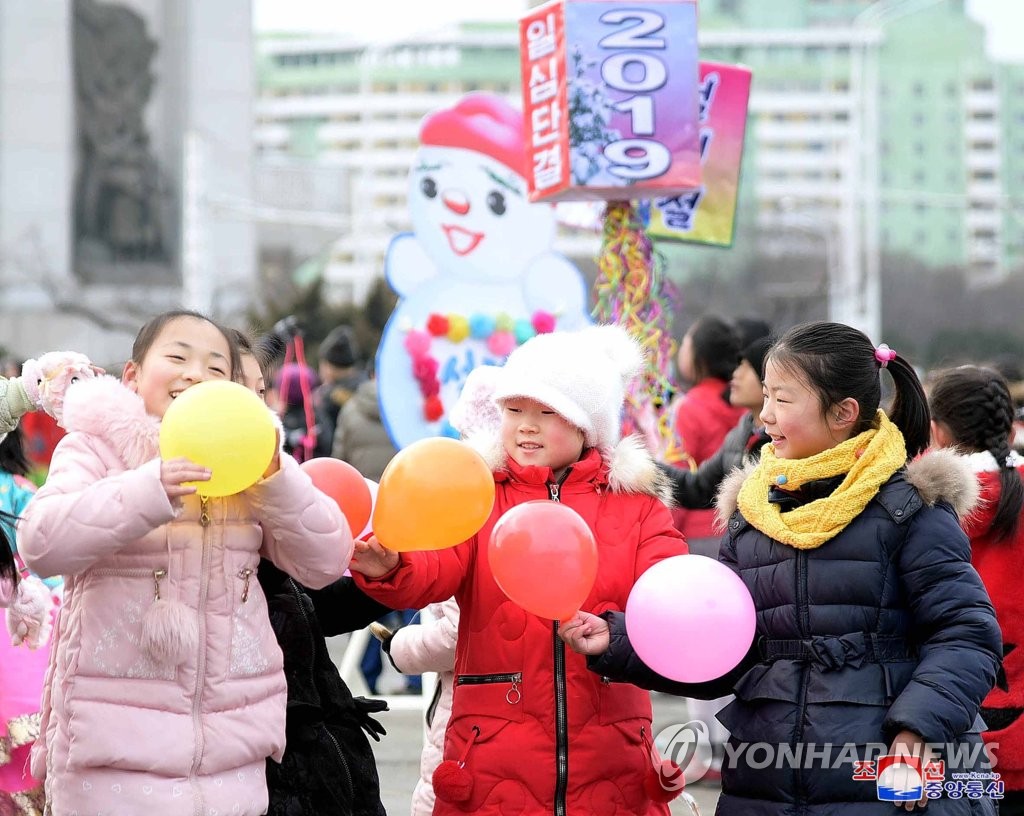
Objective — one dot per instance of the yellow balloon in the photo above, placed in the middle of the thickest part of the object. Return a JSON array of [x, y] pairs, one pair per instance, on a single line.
[[434, 494], [225, 427]]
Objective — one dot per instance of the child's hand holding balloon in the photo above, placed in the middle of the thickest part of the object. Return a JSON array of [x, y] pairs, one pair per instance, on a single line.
[[373, 560], [175, 473], [586, 634]]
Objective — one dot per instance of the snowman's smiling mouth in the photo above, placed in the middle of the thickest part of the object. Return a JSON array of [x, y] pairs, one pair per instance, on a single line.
[[461, 240]]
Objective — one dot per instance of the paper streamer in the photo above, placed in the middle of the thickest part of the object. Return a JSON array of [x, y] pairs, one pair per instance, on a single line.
[[633, 292]]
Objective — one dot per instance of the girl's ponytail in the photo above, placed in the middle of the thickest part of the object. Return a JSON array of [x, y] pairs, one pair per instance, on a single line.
[[909, 411], [973, 404]]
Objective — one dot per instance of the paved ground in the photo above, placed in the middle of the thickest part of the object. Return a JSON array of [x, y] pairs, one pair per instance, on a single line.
[[398, 754]]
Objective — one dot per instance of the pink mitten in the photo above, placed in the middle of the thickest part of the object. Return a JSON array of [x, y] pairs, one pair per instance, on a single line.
[[28, 616], [47, 379]]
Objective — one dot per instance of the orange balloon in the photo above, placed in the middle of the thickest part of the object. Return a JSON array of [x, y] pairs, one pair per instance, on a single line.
[[434, 494], [345, 485], [544, 557]]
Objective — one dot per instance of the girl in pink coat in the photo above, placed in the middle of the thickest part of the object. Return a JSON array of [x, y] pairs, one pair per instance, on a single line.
[[165, 691], [429, 647]]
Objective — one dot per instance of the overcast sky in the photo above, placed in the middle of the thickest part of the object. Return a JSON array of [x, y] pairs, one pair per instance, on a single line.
[[386, 19]]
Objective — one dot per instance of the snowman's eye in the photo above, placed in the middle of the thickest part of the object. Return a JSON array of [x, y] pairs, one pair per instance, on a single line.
[[428, 187], [496, 201]]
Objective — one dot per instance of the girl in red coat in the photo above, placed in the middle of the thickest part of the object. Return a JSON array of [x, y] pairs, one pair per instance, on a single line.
[[537, 734], [972, 410], [708, 356]]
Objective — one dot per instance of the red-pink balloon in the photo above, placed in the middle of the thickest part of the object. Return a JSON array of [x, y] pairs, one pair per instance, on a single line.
[[690, 618], [544, 558], [372, 486]]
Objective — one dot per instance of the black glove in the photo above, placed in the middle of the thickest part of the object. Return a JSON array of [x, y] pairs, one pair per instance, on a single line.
[[363, 708]]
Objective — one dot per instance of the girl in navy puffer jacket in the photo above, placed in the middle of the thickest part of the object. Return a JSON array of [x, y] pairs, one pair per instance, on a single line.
[[874, 633]]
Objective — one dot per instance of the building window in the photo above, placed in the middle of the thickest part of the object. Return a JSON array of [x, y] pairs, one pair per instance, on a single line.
[[918, 89]]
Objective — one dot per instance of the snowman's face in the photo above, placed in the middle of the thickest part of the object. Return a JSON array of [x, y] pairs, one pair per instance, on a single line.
[[472, 215]]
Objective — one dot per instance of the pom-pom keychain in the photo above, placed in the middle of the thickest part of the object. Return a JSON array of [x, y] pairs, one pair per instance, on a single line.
[[663, 780], [452, 782]]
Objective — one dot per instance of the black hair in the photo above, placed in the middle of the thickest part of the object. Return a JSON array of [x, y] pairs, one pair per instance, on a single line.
[[12, 454], [716, 348], [974, 403], [749, 329], [8, 566], [149, 332], [839, 362]]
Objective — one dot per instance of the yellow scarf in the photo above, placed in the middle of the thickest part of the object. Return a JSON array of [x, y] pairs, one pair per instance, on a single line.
[[868, 460]]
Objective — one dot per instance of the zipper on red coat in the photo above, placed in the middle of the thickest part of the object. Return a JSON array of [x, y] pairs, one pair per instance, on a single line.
[[561, 708], [197, 720]]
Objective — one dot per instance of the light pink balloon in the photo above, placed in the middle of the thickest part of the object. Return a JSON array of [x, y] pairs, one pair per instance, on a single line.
[[690, 618], [372, 485]]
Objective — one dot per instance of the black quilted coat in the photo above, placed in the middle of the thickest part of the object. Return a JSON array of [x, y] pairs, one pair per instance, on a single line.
[[885, 627], [328, 766]]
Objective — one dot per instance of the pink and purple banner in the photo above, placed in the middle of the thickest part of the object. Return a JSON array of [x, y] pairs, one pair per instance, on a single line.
[[707, 213]]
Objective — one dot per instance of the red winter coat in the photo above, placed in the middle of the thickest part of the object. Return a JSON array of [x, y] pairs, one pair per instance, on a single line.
[[701, 422], [550, 732], [999, 564]]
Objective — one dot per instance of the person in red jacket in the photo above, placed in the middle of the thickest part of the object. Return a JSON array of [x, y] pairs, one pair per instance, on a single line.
[[972, 411], [533, 731], [708, 355]]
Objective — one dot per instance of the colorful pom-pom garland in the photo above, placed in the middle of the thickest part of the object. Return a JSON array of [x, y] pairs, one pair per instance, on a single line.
[[501, 333]]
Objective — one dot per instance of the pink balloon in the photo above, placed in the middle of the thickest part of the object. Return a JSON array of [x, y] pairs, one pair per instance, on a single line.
[[690, 618], [373, 486]]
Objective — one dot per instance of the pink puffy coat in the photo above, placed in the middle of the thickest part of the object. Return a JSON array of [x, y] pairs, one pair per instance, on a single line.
[[185, 729], [430, 647]]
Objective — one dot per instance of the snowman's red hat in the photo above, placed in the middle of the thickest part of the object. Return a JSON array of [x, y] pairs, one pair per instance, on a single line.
[[482, 122]]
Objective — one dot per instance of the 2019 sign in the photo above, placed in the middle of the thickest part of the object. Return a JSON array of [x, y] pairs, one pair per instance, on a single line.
[[610, 99]]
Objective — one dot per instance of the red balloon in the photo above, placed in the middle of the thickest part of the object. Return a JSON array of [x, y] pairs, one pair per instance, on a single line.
[[544, 557], [345, 485]]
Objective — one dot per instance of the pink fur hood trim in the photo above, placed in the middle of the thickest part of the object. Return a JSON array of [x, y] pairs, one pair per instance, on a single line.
[[105, 408]]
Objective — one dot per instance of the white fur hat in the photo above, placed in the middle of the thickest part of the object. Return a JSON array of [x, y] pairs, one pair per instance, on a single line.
[[476, 411], [582, 375]]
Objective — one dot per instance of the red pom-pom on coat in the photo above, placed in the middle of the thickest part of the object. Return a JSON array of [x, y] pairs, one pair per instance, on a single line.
[[452, 782]]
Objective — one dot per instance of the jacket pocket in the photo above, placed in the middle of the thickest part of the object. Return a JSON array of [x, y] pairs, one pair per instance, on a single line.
[[621, 701], [114, 602], [498, 696], [254, 650]]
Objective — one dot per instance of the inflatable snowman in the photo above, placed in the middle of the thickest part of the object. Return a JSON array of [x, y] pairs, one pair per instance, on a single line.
[[477, 277]]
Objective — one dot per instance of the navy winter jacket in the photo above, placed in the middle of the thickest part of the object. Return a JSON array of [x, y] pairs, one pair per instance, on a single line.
[[885, 627]]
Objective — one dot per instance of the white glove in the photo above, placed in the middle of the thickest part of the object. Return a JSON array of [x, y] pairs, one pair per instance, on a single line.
[[30, 613]]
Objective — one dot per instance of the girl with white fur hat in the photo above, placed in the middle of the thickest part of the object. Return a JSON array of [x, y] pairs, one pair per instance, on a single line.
[[531, 731]]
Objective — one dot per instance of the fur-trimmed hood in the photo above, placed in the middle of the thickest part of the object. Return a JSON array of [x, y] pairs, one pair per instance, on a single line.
[[938, 475], [105, 408], [629, 467]]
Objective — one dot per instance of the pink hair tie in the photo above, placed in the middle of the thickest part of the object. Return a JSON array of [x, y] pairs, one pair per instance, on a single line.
[[884, 355]]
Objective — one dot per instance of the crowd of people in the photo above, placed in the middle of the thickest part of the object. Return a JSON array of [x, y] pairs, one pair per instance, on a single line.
[[167, 651]]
